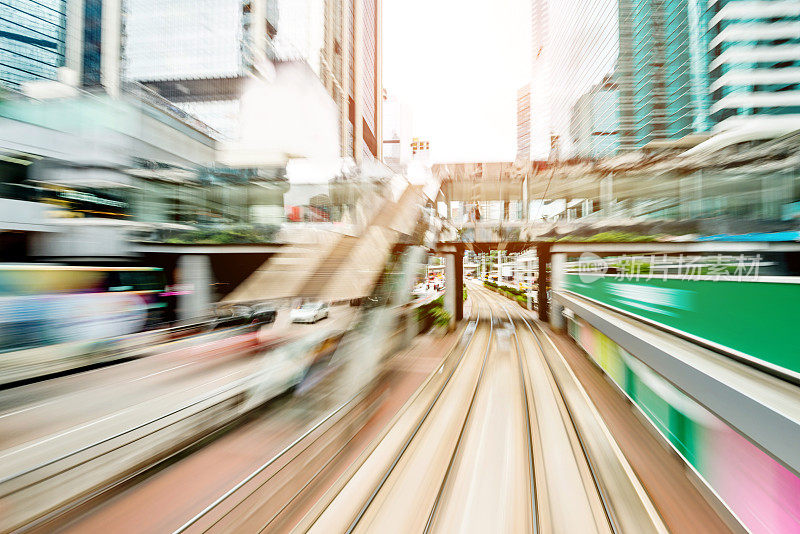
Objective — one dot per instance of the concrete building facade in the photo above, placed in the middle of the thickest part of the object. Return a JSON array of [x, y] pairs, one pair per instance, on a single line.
[[350, 68], [524, 122], [595, 122]]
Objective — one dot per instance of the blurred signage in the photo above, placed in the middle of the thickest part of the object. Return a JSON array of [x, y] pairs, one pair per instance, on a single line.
[[85, 202], [722, 312]]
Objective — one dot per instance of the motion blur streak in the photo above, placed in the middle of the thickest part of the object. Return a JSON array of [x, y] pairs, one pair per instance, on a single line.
[[399, 265]]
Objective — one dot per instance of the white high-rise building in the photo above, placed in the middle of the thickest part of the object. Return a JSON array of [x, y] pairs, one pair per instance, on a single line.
[[185, 39], [397, 131], [575, 46], [300, 32], [754, 63], [199, 53]]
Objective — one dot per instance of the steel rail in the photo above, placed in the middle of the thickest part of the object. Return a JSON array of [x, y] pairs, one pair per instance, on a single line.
[[607, 508], [311, 480], [320, 470], [265, 465], [276, 457], [294, 457], [463, 431], [416, 429], [522, 375]]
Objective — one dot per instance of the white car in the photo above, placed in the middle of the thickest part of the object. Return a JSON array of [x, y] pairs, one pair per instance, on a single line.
[[309, 312]]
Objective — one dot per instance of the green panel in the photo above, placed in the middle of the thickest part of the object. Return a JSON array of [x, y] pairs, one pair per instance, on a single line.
[[612, 360], [654, 407], [756, 318], [630, 383], [683, 435]]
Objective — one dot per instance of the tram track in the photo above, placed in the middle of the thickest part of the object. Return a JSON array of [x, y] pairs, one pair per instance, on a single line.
[[497, 448], [490, 441], [461, 376], [567, 497], [626, 505], [420, 485], [266, 499], [490, 484], [625, 502], [375, 477], [470, 409]]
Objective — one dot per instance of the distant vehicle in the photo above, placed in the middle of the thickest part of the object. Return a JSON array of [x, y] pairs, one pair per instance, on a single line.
[[231, 316], [309, 312], [264, 314], [239, 315]]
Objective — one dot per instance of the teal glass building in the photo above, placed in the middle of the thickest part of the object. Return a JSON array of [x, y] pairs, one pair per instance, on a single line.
[[32, 40], [662, 70]]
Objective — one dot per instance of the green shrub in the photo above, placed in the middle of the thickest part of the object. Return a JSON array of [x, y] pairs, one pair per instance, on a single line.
[[441, 317], [222, 236]]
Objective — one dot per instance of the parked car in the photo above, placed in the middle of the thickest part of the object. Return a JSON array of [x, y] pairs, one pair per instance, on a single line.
[[240, 314], [309, 312], [263, 314], [226, 317]]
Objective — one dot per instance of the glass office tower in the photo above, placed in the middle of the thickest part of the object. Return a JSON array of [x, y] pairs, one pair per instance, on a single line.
[[662, 72], [32, 40]]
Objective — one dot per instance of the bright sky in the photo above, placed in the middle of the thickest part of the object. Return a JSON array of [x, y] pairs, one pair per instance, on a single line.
[[457, 64]]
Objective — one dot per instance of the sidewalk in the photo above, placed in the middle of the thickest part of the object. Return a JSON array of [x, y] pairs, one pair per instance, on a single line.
[[664, 475]]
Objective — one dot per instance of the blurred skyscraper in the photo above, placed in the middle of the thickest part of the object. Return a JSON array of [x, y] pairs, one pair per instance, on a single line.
[[39, 37], [32, 40], [754, 62], [662, 70], [199, 53], [595, 121], [524, 122], [351, 72], [574, 48]]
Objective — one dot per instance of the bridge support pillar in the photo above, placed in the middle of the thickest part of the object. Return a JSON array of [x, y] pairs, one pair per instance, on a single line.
[[411, 327], [194, 279], [543, 281], [454, 284], [557, 265]]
